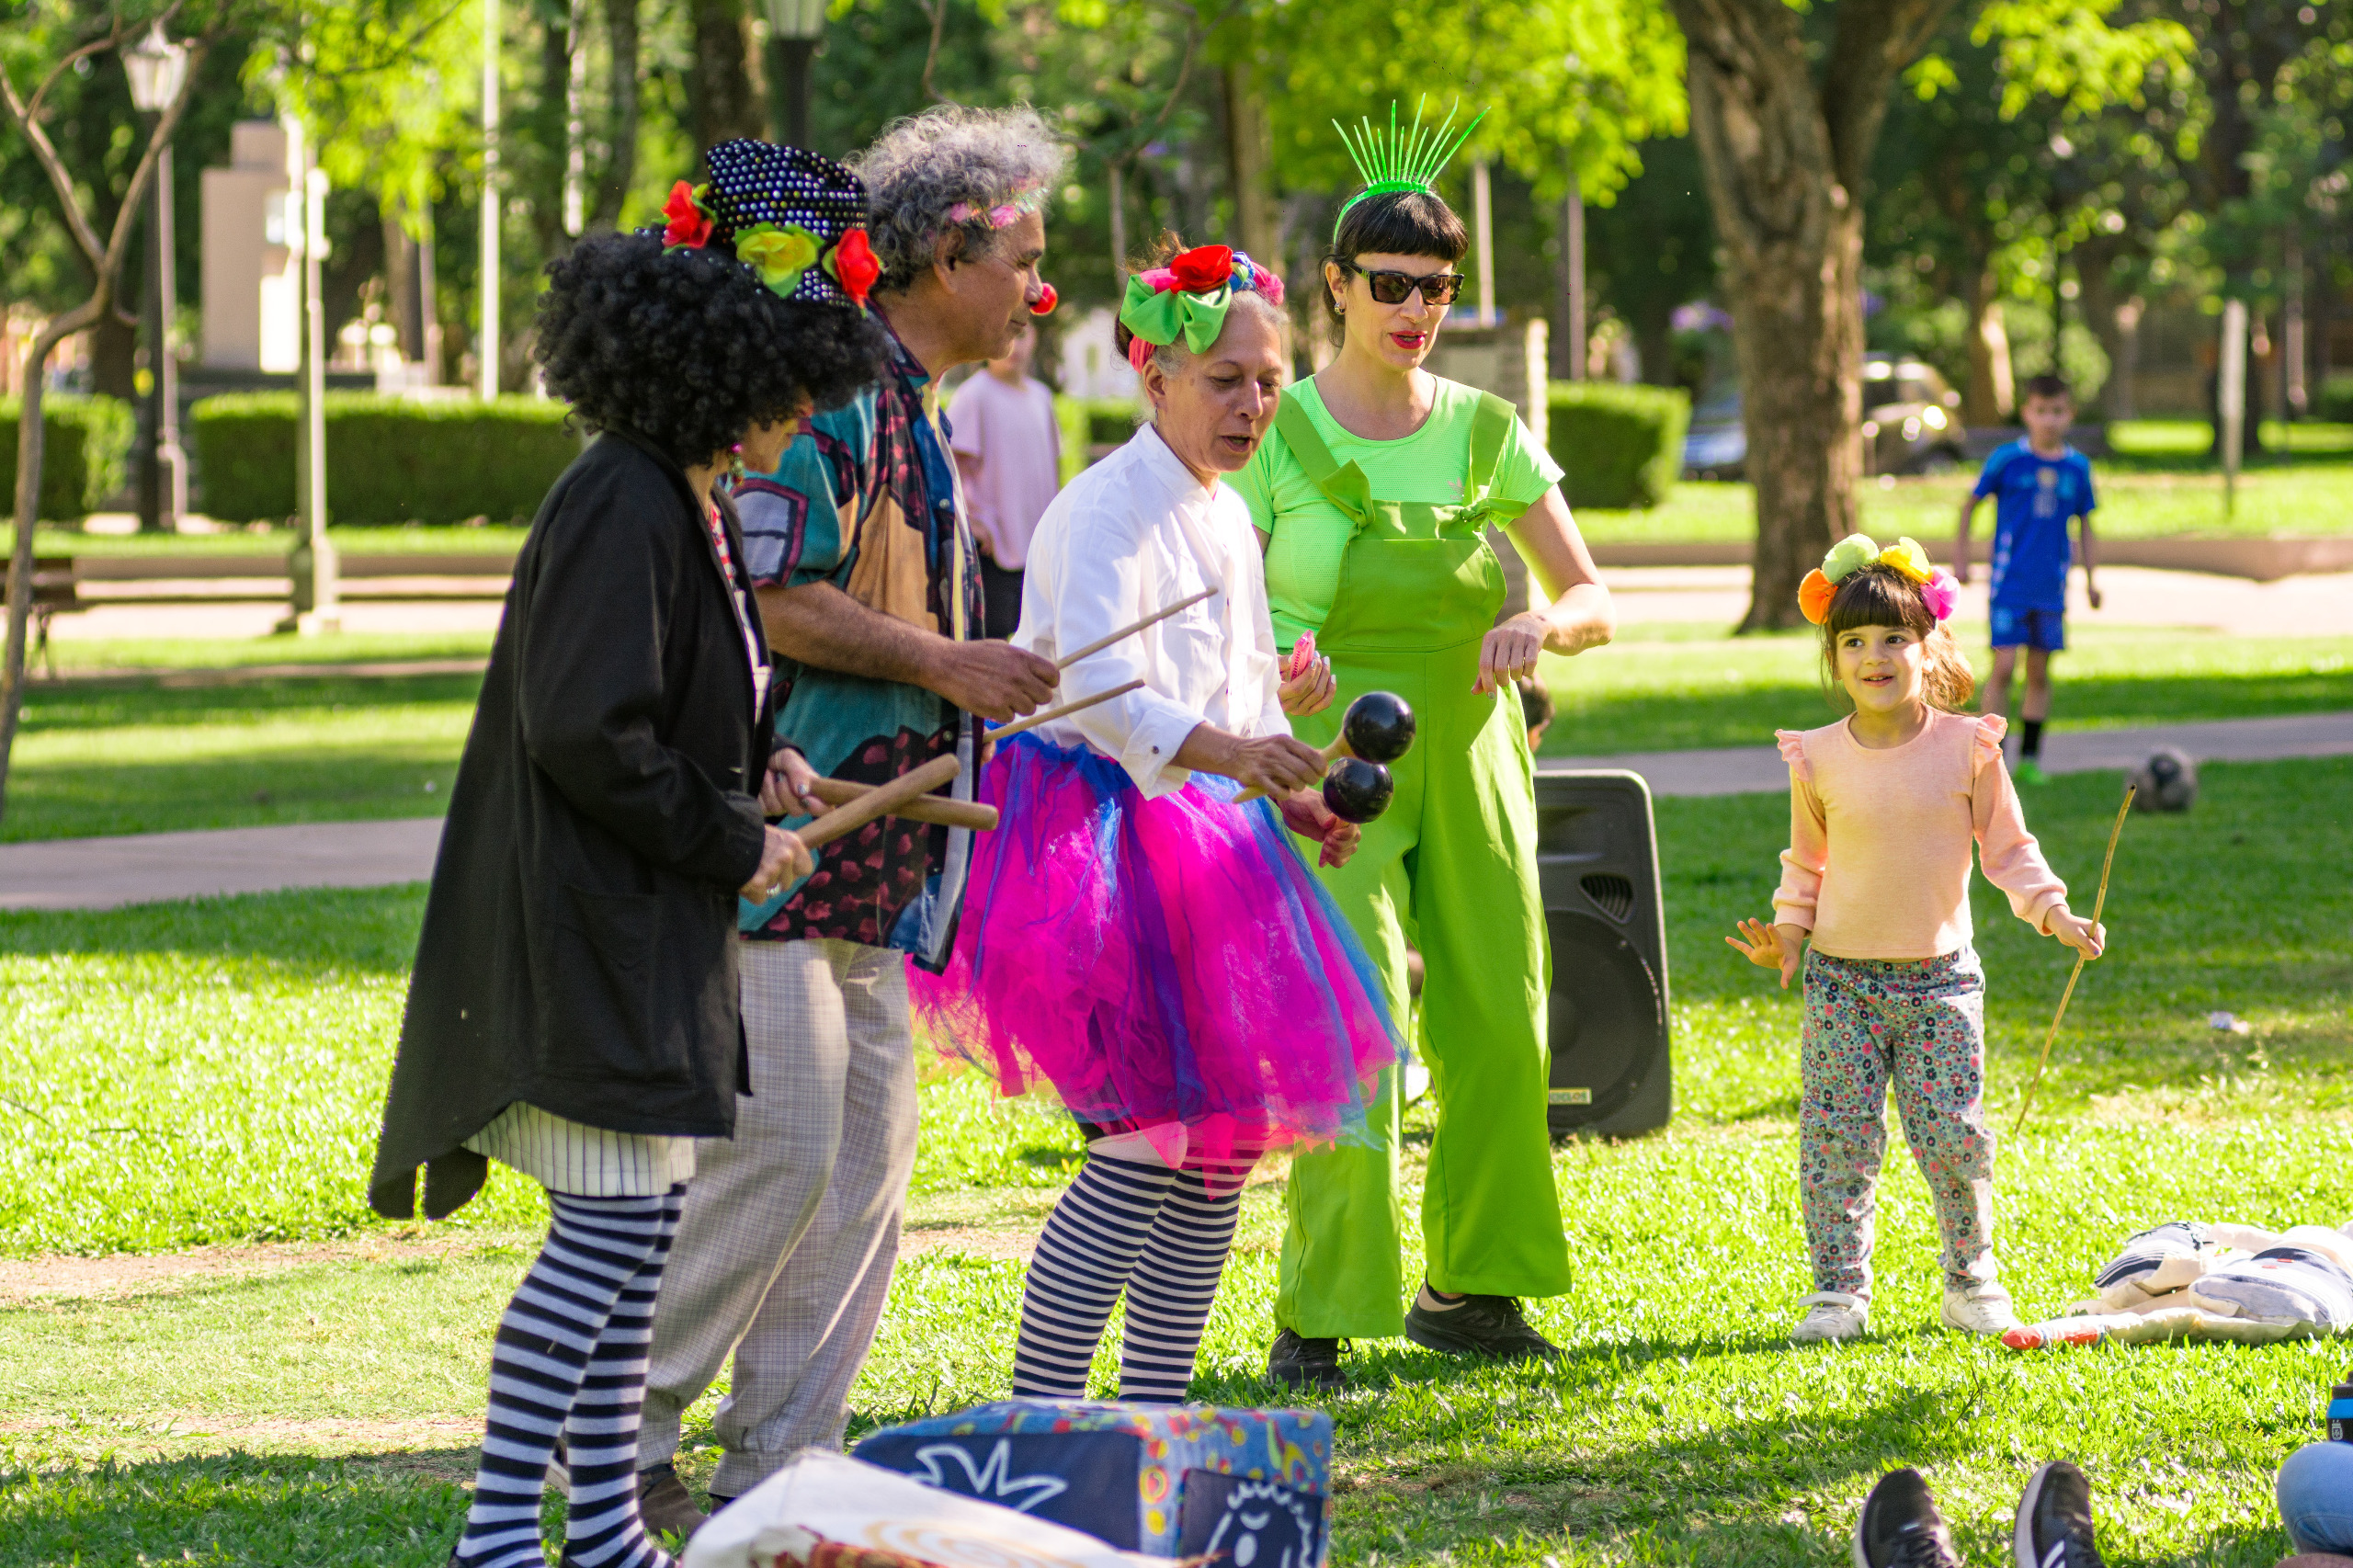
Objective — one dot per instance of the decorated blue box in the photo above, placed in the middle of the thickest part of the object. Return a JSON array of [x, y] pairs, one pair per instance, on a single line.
[[1248, 1488]]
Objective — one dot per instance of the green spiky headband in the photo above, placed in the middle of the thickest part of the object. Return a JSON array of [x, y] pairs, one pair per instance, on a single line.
[[1396, 161]]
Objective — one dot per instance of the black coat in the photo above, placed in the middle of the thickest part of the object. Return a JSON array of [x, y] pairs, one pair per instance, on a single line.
[[579, 941]]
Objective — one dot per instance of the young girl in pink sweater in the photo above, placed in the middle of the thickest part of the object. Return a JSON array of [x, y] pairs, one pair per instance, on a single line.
[[1883, 807]]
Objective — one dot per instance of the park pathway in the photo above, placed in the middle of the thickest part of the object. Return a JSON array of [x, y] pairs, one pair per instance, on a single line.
[[108, 873]]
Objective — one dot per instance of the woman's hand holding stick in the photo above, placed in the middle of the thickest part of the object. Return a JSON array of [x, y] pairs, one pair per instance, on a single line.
[[2099, 906]]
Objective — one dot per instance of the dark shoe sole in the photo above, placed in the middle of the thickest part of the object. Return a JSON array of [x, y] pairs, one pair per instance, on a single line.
[[1429, 1338]]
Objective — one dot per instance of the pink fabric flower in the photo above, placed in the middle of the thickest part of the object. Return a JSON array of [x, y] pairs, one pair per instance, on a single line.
[[1139, 353], [1267, 283], [1159, 279], [1942, 593]]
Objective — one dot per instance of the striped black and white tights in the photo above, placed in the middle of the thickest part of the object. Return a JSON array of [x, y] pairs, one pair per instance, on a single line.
[[1162, 1235], [571, 1358]]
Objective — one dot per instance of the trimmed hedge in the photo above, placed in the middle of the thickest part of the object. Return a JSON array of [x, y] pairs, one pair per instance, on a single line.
[[390, 460], [86, 445], [1622, 446], [2336, 400]]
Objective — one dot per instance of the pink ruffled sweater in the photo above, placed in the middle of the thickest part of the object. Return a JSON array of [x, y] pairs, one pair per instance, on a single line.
[[1878, 863]]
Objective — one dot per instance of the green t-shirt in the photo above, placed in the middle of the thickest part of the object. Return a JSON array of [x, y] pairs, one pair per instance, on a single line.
[[1310, 534]]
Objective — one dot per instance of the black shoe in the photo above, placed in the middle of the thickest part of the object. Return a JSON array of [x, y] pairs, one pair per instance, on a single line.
[[1900, 1527], [2054, 1528], [1481, 1325], [665, 1505], [1305, 1363]]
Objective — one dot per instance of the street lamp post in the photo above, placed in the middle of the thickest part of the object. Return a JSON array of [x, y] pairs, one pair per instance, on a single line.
[[157, 67], [794, 27], [316, 570]]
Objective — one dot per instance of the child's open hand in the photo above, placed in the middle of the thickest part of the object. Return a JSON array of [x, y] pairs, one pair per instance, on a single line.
[[1770, 947], [2079, 934]]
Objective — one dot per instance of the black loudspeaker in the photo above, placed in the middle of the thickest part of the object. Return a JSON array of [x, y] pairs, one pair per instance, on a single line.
[[1596, 856]]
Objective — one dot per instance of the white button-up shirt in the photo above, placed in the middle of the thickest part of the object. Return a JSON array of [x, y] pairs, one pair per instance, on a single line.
[[1134, 534]]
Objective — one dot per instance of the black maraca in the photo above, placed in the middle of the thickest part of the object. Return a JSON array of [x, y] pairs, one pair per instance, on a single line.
[[1377, 728], [1358, 790]]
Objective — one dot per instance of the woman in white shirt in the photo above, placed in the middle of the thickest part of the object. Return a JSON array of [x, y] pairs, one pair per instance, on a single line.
[[1155, 953]]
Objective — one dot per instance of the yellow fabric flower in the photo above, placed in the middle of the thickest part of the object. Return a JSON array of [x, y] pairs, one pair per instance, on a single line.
[[781, 255], [1906, 556]]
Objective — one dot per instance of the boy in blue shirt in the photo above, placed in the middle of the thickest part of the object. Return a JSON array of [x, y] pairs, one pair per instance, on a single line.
[[2037, 484]]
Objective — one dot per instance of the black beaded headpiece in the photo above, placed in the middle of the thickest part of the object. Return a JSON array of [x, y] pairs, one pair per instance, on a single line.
[[796, 220]]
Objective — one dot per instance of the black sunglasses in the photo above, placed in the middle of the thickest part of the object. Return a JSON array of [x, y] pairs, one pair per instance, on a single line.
[[1392, 288]]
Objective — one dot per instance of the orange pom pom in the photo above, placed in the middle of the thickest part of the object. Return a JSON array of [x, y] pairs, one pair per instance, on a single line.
[[1814, 594]]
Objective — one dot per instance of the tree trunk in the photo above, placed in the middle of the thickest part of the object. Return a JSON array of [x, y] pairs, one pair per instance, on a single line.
[[723, 100], [29, 442], [1568, 288], [1991, 393], [621, 95], [1249, 153], [1785, 161], [114, 358]]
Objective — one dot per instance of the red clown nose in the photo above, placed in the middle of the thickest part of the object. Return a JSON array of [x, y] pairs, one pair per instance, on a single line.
[[1047, 300]]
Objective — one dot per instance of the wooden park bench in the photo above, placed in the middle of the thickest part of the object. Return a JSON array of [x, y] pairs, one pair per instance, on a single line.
[[56, 591]]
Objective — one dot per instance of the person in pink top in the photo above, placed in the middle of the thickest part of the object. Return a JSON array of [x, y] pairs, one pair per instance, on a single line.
[[1010, 452], [1884, 806]]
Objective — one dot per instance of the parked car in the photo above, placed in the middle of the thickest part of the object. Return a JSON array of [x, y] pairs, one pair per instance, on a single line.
[[1911, 418], [1911, 424]]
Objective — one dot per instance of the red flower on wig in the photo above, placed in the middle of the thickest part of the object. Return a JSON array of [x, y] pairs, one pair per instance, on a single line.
[[855, 267], [1203, 270], [689, 226]]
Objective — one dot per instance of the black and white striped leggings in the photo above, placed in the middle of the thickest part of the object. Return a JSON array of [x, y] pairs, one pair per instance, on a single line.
[[1161, 1235]]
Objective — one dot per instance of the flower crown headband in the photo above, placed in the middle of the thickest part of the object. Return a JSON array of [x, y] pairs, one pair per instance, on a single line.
[[1189, 298], [1005, 214], [1395, 161], [1940, 590]]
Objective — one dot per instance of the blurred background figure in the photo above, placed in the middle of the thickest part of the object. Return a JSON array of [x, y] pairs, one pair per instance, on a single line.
[[1010, 450]]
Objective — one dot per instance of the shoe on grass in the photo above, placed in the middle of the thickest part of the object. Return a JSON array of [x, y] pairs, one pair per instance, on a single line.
[[665, 1505], [2029, 771], [1832, 1314], [1900, 1527], [1305, 1363], [1979, 1309], [1481, 1325], [2055, 1523]]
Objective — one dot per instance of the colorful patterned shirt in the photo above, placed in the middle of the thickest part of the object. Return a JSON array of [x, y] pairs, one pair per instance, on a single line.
[[867, 499]]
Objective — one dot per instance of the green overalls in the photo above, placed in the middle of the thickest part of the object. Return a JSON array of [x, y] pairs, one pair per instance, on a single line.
[[1452, 865]]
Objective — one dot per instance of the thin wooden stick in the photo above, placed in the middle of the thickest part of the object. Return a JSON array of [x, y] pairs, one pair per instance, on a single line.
[[879, 802], [1065, 712], [1156, 616], [923, 808], [2099, 906]]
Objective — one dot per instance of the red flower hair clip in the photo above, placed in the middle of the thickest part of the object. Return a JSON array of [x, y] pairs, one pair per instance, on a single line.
[[1203, 270], [690, 225], [852, 263]]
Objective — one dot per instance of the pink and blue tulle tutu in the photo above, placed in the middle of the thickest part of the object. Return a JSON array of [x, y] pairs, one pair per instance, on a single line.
[[1158, 963]]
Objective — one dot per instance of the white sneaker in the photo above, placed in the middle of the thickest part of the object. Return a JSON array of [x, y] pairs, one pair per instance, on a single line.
[[1836, 1316], [1979, 1309]]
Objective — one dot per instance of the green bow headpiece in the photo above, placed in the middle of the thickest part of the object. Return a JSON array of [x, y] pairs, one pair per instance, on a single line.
[[1158, 316], [1400, 159]]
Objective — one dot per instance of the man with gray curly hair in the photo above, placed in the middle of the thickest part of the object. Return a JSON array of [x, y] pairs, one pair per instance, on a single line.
[[870, 586]]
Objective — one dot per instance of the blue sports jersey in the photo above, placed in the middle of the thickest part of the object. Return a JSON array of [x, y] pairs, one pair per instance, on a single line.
[[2034, 497]]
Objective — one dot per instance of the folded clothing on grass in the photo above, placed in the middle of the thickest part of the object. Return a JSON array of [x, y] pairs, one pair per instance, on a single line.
[[2189, 1279]]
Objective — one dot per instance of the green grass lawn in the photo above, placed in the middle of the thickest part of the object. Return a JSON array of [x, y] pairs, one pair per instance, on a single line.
[[1650, 692], [402, 539], [210, 1073], [103, 655], [2159, 483]]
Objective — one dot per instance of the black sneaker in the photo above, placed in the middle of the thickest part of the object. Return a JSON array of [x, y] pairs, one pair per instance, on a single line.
[[2054, 1528], [665, 1505], [1305, 1363], [1481, 1325], [1900, 1527]]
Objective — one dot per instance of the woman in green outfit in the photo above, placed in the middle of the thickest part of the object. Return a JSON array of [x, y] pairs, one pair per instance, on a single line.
[[1373, 495]]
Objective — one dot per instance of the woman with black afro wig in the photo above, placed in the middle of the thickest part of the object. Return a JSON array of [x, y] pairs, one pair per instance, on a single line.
[[573, 1012]]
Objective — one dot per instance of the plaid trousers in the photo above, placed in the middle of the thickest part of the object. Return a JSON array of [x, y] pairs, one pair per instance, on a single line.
[[792, 1228]]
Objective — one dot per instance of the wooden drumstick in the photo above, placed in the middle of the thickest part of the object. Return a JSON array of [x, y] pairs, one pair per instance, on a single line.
[[923, 808], [1159, 615], [1066, 710], [882, 801]]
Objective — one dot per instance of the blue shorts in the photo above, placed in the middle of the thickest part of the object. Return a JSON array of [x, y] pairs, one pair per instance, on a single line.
[[2043, 629]]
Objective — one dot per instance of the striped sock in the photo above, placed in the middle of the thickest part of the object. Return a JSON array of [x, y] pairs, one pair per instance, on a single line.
[[603, 1529], [546, 1339], [1084, 1258], [1174, 1283]]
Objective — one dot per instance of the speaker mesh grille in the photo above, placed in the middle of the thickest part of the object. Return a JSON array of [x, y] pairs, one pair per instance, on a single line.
[[1614, 894]]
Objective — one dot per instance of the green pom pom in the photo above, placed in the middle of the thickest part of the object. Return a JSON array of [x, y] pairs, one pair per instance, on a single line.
[[1848, 555]]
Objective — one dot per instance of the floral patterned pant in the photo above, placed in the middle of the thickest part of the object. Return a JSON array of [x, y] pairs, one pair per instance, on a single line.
[[1923, 1025]]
